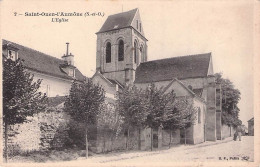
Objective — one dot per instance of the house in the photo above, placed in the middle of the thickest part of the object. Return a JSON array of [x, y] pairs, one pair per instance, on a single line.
[[251, 127], [121, 59], [57, 76]]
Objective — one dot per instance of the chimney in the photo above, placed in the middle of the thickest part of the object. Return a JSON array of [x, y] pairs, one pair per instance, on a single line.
[[68, 58], [67, 53]]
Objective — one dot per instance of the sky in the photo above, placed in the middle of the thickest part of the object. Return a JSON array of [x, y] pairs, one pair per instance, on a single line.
[[173, 28]]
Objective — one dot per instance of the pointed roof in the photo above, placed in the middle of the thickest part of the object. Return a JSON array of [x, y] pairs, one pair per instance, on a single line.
[[109, 81], [180, 83], [118, 21], [192, 66], [43, 63], [251, 120], [186, 88]]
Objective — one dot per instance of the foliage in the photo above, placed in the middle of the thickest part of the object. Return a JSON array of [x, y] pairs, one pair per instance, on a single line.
[[158, 102], [230, 100], [76, 135], [154, 107], [109, 119], [83, 104], [132, 106], [182, 114], [21, 97], [84, 101]]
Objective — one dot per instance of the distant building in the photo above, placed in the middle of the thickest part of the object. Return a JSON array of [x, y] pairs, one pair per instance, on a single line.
[[121, 59], [251, 127]]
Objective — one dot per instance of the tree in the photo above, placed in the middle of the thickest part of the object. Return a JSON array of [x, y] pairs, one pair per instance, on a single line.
[[21, 97], [83, 104], [153, 107], [180, 115], [159, 103], [230, 100], [132, 107], [109, 121]]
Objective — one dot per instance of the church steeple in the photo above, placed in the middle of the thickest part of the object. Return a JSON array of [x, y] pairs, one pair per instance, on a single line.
[[121, 46]]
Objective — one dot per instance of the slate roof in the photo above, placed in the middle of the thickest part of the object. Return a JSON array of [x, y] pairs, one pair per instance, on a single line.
[[43, 63], [251, 120], [118, 21], [183, 67]]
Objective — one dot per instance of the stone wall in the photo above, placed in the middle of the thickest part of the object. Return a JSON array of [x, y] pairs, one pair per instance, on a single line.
[[28, 137], [251, 128], [170, 137], [40, 131], [107, 140], [227, 131]]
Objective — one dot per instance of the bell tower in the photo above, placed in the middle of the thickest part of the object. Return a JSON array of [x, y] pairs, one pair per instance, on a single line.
[[121, 46]]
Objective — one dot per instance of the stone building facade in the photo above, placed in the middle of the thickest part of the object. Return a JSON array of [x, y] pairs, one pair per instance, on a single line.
[[122, 59], [251, 127], [121, 46]]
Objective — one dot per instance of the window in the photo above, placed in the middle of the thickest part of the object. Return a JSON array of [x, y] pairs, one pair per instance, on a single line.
[[121, 51], [48, 90], [199, 115], [108, 52], [140, 27], [135, 51], [71, 72], [137, 24], [141, 53], [11, 55], [218, 98]]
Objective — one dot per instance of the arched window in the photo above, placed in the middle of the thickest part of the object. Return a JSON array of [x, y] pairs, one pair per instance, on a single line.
[[141, 53], [135, 50], [121, 51], [199, 115], [108, 52]]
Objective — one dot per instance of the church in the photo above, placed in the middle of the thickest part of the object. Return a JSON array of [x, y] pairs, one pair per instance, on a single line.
[[122, 59]]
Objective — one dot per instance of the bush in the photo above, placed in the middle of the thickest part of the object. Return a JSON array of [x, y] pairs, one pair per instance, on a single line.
[[76, 135], [13, 150]]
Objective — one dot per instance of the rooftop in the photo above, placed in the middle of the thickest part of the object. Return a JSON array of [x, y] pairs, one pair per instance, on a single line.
[[183, 67], [43, 63], [118, 21]]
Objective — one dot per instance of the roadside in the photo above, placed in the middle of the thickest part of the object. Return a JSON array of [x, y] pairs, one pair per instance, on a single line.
[[73, 155], [118, 156]]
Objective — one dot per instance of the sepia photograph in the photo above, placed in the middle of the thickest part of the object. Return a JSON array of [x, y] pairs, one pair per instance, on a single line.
[[129, 83]]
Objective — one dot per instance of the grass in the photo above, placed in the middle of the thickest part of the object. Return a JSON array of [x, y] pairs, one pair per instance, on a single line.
[[49, 156]]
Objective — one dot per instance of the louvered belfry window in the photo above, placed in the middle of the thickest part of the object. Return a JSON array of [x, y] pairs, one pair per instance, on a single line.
[[108, 52], [135, 52], [121, 50]]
